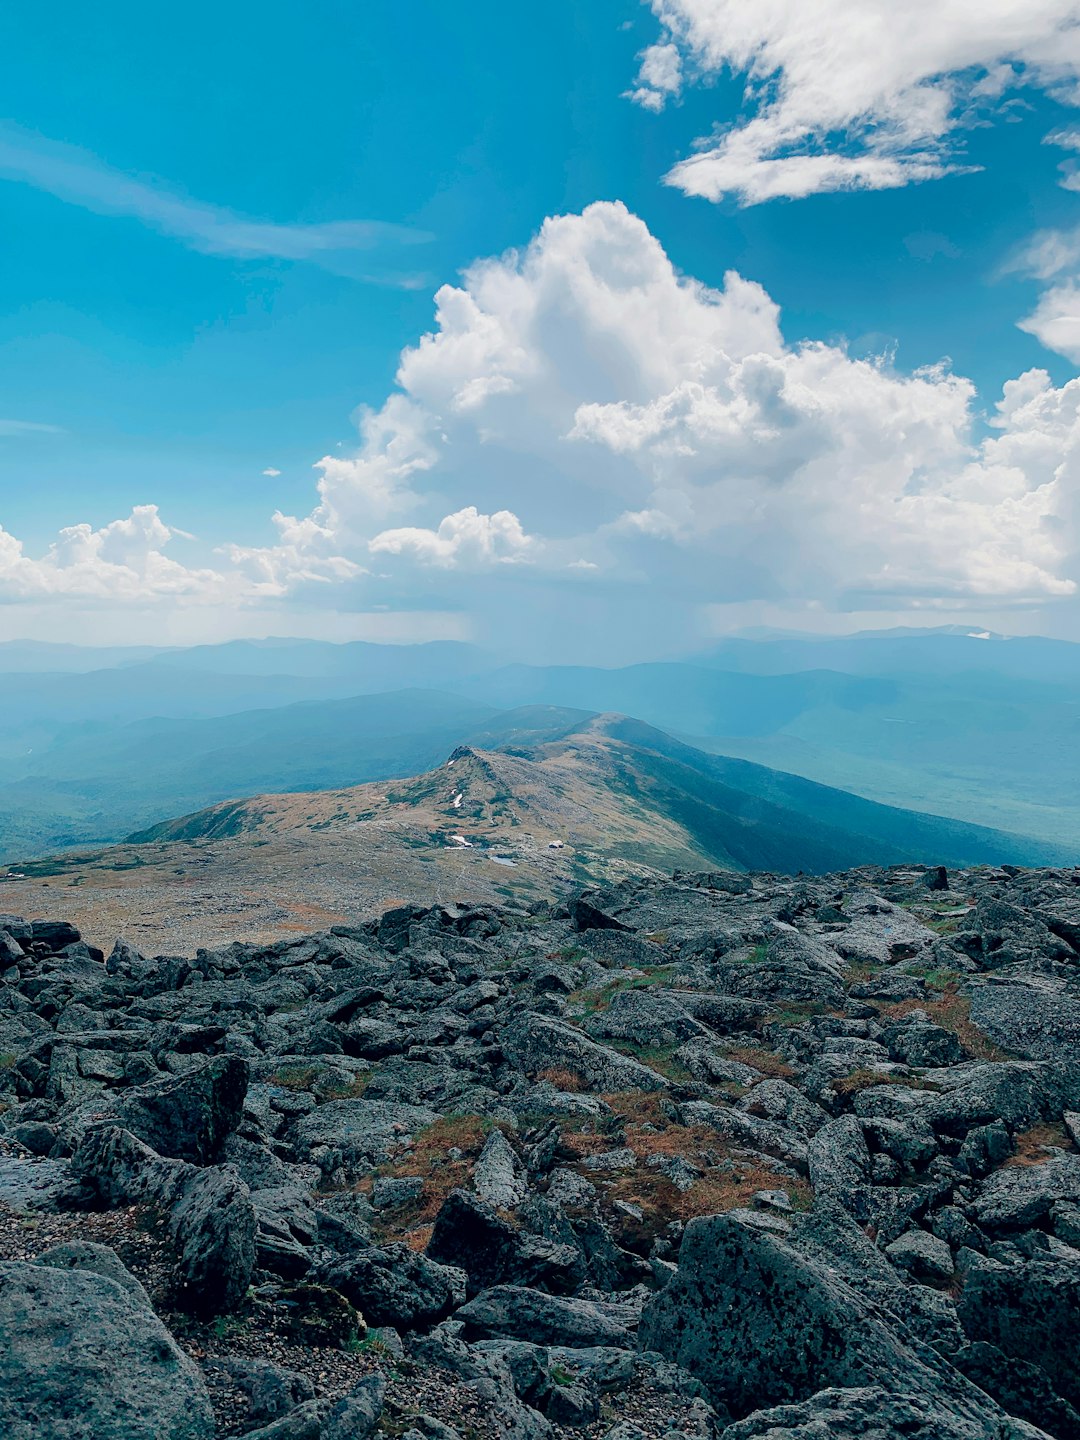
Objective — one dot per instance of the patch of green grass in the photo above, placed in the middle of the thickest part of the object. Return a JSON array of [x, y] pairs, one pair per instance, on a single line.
[[592, 1002], [295, 1077], [335, 1089], [797, 1012], [7, 1060], [660, 1058]]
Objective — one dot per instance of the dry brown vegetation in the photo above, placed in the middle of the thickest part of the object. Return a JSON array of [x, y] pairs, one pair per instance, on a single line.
[[952, 1010], [1035, 1146], [767, 1061], [728, 1180], [429, 1159], [562, 1079]]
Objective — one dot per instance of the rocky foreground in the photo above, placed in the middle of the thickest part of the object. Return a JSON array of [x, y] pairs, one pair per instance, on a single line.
[[757, 1158]]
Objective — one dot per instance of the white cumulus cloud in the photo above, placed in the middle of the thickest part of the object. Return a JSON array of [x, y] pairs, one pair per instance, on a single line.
[[850, 94], [621, 414], [465, 537], [122, 561], [583, 421]]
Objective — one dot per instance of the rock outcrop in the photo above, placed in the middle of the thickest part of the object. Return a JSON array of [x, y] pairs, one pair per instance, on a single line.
[[746, 1158]]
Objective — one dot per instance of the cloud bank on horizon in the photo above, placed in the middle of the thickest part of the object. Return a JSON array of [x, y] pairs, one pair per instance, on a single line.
[[646, 429]]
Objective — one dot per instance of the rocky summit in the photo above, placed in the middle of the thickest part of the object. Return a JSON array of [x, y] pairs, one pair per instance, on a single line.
[[741, 1156]]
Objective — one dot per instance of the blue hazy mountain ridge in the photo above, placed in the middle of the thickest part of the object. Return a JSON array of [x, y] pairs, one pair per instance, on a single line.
[[945, 651], [998, 748], [939, 722], [730, 813], [96, 783]]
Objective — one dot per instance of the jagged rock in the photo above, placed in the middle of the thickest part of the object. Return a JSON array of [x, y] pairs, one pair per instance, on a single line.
[[320, 1316], [1020, 1388], [513, 1310], [186, 1117], [81, 1355], [303, 1423], [984, 1148], [782, 1103], [762, 1324], [214, 1226], [1018, 1093], [53, 935], [1023, 1195], [356, 1415], [99, 1260], [839, 1160], [924, 1256], [646, 1019], [911, 1141], [499, 1176], [922, 1044], [588, 916], [272, 1390], [1029, 1311], [393, 1285], [469, 1235], [871, 1413], [362, 1133], [535, 1043]]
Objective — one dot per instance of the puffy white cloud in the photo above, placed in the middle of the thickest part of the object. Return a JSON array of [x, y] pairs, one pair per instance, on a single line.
[[122, 561], [618, 429], [465, 537], [1054, 257], [850, 94], [649, 426]]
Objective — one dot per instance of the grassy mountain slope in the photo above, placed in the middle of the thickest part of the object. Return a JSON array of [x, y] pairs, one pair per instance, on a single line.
[[566, 800], [614, 788]]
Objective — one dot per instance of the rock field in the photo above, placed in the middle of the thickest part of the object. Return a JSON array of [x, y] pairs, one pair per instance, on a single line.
[[751, 1157]]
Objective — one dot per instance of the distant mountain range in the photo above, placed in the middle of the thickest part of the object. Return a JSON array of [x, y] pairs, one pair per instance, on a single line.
[[563, 800], [96, 744], [611, 788]]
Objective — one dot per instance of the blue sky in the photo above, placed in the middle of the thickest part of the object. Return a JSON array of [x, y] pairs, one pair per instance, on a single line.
[[221, 226]]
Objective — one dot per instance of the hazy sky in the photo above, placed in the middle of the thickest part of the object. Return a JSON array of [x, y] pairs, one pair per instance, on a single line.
[[586, 329]]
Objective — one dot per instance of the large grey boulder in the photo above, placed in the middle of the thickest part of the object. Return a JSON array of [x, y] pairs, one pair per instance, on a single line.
[[392, 1285], [782, 1103], [360, 1134], [871, 1413], [98, 1260], [1030, 1312], [471, 1236], [793, 967], [1019, 1196], [923, 1256], [1019, 1093], [760, 1323], [646, 1018], [355, 1416], [82, 1358], [212, 1219], [213, 1225], [524, 1314], [499, 1176], [1037, 1016], [534, 1043], [183, 1117], [839, 1160]]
